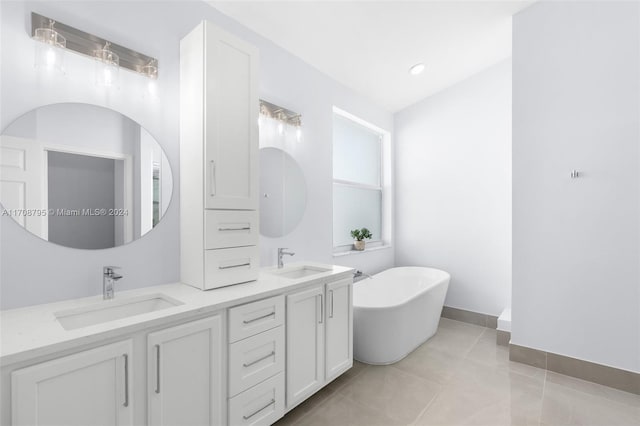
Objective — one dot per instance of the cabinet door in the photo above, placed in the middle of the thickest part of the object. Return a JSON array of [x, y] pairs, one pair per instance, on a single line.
[[305, 344], [339, 333], [88, 388], [184, 374], [231, 122]]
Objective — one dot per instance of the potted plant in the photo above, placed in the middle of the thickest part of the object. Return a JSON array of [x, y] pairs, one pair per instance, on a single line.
[[359, 235]]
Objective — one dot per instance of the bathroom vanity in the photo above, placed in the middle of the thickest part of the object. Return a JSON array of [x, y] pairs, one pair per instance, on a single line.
[[255, 345], [239, 355]]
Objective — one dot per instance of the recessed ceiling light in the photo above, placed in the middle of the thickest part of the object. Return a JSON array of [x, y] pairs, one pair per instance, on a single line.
[[417, 69]]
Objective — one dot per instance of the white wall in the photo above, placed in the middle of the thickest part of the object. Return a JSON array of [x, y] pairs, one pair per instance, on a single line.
[[453, 188], [576, 242], [29, 266]]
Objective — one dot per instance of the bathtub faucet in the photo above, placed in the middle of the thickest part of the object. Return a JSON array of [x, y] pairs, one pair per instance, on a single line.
[[359, 275]]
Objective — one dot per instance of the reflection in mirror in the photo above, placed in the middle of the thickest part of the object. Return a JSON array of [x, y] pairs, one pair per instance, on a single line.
[[282, 193], [83, 176]]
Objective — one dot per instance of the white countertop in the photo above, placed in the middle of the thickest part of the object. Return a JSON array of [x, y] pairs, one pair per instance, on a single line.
[[34, 331]]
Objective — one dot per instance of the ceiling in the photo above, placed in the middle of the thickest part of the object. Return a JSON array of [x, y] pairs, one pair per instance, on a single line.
[[369, 46]]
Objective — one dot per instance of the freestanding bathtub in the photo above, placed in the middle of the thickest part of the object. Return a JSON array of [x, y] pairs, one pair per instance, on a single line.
[[396, 311]]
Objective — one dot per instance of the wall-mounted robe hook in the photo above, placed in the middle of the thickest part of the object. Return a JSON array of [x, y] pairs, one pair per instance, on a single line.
[[575, 174]]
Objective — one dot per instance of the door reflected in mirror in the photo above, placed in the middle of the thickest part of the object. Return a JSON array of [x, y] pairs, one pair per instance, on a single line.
[[282, 193], [83, 176]]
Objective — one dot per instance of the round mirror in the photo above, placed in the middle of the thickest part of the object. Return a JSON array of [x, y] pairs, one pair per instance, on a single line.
[[283, 194], [83, 176]]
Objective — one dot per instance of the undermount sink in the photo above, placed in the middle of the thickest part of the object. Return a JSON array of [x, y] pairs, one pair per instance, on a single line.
[[299, 271], [111, 310]]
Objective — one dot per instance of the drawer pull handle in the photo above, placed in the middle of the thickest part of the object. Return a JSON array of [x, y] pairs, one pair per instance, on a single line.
[[273, 401], [244, 228], [126, 380], [272, 314], [235, 266], [260, 359]]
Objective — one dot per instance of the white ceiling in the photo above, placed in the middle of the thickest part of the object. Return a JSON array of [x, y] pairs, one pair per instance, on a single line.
[[369, 46]]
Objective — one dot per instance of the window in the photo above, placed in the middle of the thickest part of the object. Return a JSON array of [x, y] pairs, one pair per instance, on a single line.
[[360, 181]]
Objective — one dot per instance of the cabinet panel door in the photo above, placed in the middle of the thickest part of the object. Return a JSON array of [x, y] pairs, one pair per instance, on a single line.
[[185, 381], [305, 344], [231, 122], [88, 388], [339, 334]]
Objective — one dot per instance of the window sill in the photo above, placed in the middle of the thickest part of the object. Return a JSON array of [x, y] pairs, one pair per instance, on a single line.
[[366, 250]]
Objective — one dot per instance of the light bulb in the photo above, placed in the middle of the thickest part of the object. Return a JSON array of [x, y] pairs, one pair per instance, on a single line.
[[108, 79], [49, 51], [298, 134], [107, 66], [152, 87], [280, 128], [50, 57]]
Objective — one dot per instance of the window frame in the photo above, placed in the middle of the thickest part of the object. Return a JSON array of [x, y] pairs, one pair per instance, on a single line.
[[384, 186]]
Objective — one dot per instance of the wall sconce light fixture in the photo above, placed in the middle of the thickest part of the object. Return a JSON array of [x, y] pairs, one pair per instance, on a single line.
[[283, 116], [109, 57], [49, 53], [107, 66]]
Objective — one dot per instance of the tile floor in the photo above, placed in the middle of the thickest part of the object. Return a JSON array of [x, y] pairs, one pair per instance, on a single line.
[[461, 377]]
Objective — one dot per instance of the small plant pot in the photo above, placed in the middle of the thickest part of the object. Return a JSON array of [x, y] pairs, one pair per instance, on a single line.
[[358, 245]]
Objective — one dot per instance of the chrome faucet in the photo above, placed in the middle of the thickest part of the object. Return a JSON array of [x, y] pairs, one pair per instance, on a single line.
[[359, 275], [282, 252], [109, 278]]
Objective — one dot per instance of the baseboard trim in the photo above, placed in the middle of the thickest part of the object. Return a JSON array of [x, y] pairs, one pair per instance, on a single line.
[[616, 378], [470, 317], [503, 337]]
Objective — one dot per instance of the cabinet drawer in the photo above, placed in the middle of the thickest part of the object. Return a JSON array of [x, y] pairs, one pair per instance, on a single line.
[[254, 359], [256, 317], [263, 404], [231, 266], [230, 228]]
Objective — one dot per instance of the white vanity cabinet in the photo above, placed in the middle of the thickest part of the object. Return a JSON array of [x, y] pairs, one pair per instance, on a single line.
[[218, 158], [244, 360], [319, 338], [92, 387], [185, 374], [184, 370]]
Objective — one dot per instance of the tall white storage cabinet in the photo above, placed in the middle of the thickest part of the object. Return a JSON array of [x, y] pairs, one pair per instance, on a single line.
[[218, 159]]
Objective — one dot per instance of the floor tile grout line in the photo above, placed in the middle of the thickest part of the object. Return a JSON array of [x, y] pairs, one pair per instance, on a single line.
[[424, 410], [544, 389], [476, 342], [604, 396], [335, 392], [442, 386]]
